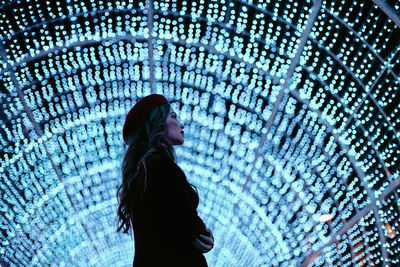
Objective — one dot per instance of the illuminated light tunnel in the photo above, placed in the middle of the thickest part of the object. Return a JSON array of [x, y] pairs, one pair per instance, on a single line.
[[291, 113]]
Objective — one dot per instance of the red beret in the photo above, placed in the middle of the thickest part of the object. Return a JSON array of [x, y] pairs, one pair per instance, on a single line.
[[137, 116]]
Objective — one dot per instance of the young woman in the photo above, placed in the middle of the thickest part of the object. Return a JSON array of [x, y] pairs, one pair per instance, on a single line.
[[155, 198]]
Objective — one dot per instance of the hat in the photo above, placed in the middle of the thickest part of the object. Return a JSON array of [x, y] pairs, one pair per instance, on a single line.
[[137, 116]]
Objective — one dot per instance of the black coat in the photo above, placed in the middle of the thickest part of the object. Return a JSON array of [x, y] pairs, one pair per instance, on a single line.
[[165, 221]]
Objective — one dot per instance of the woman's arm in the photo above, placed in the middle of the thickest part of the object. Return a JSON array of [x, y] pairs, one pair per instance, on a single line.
[[175, 219]]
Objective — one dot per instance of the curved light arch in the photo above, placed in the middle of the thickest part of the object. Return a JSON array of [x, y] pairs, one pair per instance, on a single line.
[[350, 117], [40, 140], [361, 176]]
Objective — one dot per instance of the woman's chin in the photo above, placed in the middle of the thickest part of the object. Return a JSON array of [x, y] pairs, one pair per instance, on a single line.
[[178, 142]]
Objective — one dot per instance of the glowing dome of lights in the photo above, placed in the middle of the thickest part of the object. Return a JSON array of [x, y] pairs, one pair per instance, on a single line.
[[292, 125]]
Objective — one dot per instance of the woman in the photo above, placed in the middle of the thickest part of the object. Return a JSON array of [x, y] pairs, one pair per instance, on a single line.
[[155, 199]]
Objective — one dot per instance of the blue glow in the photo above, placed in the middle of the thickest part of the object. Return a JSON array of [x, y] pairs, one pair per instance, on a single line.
[[288, 116]]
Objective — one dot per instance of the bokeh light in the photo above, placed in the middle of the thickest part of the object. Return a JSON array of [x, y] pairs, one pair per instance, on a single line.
[[291, 112]]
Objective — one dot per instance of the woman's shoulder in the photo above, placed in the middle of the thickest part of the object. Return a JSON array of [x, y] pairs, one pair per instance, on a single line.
[[160, 163], [158, 156], [159, 160]]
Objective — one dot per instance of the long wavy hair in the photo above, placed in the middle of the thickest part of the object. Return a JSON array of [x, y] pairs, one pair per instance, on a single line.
[[145, 141]]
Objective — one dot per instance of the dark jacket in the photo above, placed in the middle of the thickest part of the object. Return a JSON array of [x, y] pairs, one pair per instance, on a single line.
[[165, 221]]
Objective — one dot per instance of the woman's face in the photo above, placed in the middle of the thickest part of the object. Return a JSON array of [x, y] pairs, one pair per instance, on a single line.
[[174, 129]]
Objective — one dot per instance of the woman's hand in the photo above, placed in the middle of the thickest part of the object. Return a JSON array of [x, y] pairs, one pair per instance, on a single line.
[[204, 243]]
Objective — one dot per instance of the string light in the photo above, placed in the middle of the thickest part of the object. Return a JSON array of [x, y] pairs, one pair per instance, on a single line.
[[291, 126], [325, 217]]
